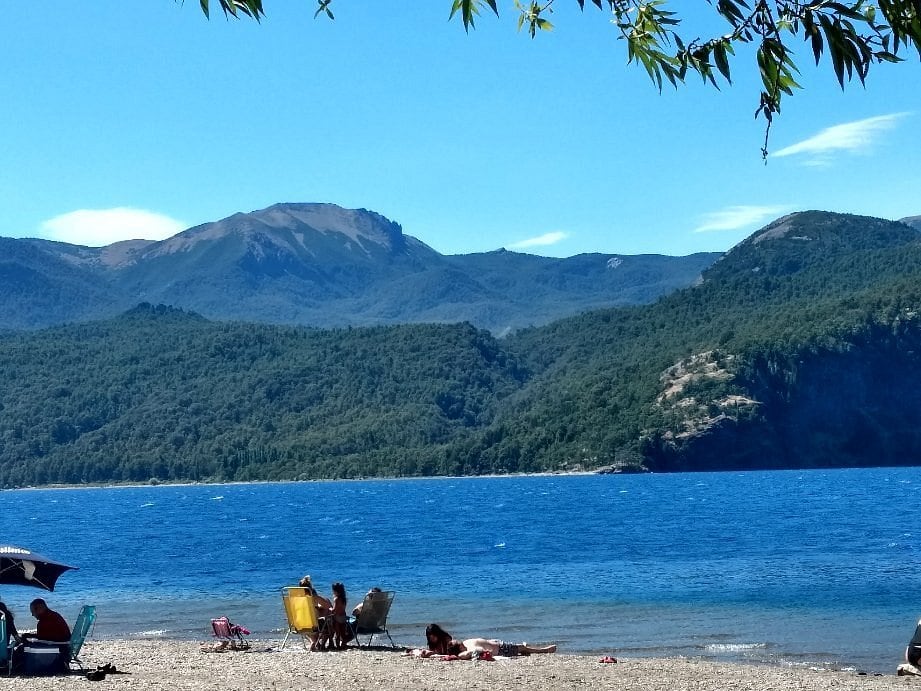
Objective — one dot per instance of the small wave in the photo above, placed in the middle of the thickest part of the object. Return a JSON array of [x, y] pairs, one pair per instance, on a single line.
[[217, 498], [145, 505], [733, 647], [153, 633], [501, 544]]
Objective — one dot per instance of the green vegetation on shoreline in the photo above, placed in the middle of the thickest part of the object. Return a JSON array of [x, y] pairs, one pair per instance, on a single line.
[[799, 349]]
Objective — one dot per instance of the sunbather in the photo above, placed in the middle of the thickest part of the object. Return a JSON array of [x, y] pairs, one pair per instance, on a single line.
[[437, 639], [472, 647], [323, 608], [440, 642]]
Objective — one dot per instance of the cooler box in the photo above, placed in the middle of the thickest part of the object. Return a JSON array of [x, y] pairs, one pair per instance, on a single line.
[[43, 659]]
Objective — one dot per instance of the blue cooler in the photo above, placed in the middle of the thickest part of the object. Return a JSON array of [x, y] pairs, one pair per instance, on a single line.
[[43, 659]]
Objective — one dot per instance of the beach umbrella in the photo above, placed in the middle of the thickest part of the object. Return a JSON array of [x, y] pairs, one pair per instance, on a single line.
[[19, 566]]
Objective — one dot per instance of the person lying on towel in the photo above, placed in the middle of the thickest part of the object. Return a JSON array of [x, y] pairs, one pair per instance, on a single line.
[[471, 648]]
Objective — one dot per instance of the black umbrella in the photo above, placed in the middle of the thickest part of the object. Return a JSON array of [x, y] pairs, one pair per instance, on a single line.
[[19, 566]]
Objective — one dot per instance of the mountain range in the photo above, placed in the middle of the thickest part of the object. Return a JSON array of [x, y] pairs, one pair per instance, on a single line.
[[321, 265], [799, 348]]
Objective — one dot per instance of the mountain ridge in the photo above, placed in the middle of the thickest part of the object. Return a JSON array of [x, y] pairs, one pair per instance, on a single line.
[[791, 353], [322, 265]]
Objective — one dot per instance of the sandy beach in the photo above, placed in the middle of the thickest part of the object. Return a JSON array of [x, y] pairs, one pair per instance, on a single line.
[[183, 665]]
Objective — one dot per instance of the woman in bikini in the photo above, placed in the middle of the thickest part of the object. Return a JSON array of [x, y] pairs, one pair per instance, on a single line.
[[437, 639], [340, 618], [440, 642], [471, 647]]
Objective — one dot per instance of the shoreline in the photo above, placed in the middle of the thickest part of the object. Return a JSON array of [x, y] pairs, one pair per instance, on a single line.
[[171, 664], [230, 483]]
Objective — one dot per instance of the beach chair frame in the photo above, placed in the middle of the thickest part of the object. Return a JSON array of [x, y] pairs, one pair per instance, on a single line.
[[83, 627], [5, 650], [229, 634], [372, 619], [301, 615]]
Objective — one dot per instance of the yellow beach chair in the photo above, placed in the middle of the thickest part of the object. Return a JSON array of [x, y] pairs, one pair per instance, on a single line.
[[301, 612]]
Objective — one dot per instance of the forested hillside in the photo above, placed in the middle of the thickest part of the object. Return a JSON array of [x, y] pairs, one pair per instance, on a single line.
[[799, 339], [800, 348], [159, 393]]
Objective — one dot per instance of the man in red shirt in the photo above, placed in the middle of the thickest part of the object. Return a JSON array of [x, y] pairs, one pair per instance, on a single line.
[[51, 625]]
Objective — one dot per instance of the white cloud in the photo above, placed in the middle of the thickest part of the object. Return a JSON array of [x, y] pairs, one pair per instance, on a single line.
[[541, 240], [100, 227], [849, 137], [736, 217]]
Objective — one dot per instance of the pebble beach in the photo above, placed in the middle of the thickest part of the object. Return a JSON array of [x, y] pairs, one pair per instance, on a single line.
[[161, 664]]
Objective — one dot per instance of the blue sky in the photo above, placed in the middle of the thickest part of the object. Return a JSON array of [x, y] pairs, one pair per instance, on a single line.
[[139, 119]]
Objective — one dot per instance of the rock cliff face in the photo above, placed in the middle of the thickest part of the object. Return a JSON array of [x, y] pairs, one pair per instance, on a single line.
[[854, 405], [834, 377]]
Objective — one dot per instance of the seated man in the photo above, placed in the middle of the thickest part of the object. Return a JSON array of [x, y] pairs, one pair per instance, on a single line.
[[33, 655], [51, 625]]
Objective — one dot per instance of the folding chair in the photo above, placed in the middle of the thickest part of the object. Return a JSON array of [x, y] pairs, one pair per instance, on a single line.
[[301, 613], [4, 644], [230, 635], [86, 620], [372, 619]]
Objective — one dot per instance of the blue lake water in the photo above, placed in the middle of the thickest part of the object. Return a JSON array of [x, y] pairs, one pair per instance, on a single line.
[[805, 568]]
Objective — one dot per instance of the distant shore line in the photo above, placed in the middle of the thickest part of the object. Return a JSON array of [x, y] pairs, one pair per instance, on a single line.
[[228, 483]]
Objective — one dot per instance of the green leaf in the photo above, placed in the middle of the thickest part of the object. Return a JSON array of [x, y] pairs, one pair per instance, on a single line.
[[323, 8], [469, 9], [722, 62]]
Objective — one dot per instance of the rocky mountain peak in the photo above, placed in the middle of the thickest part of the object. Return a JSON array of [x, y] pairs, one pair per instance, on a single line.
[[295, 228]]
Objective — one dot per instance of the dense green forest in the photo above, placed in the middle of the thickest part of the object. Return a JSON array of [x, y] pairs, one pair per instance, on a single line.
[[800, 348], [159, 393]]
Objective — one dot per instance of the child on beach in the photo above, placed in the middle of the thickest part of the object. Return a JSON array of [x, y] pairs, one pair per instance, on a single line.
[[339, 634]]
